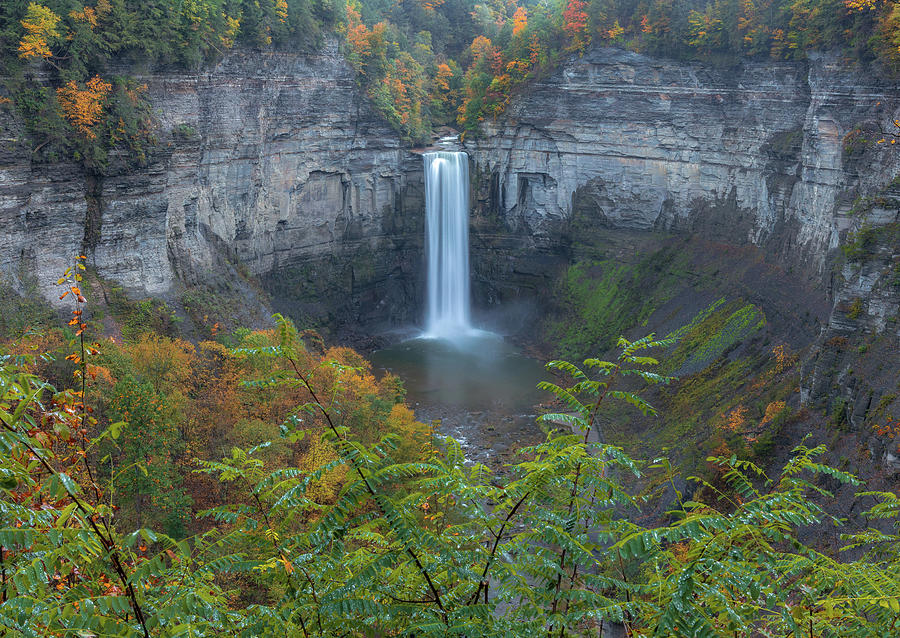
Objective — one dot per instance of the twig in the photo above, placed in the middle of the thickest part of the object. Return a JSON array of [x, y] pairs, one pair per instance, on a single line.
[[107, 542], [497, 537]]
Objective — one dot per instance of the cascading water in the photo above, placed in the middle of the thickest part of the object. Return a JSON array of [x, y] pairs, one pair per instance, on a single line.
[[447, 243], [456, 374]]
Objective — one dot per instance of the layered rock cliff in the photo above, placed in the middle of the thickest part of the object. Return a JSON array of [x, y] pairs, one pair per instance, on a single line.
[[754, 154], [276, 162], [615, 152], [271, 160]]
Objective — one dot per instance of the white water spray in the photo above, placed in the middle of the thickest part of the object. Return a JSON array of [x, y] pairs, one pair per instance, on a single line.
[[447, 243]]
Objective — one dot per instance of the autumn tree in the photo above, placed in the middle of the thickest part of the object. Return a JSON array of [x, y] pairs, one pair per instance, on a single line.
[[41, 31], [440, 86], [367, 48], [161, 361], [615, 32], [861, 5], [752, 28], [520, 21], [486, 60], [575, 22], [83, 107], [889, 30], [707, 32]]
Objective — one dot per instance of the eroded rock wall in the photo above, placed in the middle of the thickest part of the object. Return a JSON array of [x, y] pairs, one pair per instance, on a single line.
[[754, 154], [274, 161], [780, 158]]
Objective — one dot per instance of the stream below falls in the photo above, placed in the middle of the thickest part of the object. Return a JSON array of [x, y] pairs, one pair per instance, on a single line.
[[479, 387]]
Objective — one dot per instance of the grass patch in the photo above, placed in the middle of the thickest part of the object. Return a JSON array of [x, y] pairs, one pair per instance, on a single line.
[[864, 243], [137, 317], [21, 313], [712, 333]]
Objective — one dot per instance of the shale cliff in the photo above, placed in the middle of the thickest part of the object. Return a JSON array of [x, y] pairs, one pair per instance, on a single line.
[[273, 161], [765, 153], [763, 183]]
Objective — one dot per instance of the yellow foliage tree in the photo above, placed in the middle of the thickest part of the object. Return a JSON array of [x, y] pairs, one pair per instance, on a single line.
[[40, 26], [233, 25], [320, 453], [415, 436], [615, 32], [861, 5], [162, 361]]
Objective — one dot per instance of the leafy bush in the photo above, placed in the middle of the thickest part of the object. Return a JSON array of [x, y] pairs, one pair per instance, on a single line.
[[365, 540]]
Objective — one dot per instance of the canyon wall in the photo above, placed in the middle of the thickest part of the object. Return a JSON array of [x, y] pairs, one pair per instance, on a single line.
[[770, 154], [274, 161], [777, 164]]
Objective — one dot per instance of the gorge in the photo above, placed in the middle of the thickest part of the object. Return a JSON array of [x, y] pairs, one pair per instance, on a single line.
[[449, 317], [273, 166]]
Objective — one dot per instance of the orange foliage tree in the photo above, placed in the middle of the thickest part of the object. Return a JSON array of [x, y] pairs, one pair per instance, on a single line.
[[281, 11], [367, 47], [83, 107], [575, 21], [442, 78], [87, 15], [520, 21]]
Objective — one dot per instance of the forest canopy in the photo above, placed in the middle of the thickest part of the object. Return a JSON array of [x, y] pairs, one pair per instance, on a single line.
[[423, 63], [260, 484]]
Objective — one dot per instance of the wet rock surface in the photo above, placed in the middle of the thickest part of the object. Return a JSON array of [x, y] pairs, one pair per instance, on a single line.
[[489, 437]]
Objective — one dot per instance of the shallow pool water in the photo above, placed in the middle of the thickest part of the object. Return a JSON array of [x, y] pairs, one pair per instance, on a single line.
[[477, 371], [479, 387]]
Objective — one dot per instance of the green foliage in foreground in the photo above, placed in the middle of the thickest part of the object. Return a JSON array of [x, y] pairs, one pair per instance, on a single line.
[[434, 547]]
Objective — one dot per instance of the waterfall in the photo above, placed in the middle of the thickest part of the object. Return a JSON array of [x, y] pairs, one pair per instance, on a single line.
[[447, 243]]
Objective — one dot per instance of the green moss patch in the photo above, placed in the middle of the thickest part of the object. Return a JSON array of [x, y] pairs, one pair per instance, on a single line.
[[713, 332], [20, 313], [598, 301]]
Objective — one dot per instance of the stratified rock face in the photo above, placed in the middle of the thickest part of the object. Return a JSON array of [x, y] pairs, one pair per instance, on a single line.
[[754, 154], [275, 161], [781, 156]]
